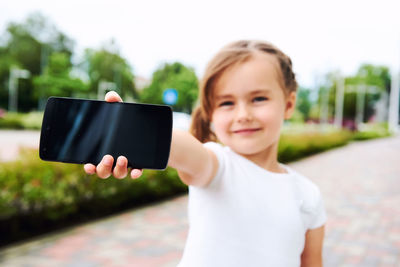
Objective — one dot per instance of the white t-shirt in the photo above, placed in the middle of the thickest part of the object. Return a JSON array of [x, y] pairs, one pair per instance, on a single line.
[[248, 216]]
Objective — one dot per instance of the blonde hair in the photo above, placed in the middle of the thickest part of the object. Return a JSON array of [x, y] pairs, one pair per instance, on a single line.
[[230, 55]]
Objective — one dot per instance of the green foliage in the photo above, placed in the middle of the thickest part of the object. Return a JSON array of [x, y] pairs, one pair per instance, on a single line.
[[39, 47], [298, 140], [295, 146], [31, 120], [372, 131], [56, 80], [59, 65], [176, 76], [369, 135], [297, 117], [378, 76], [24, 48], [303, 103], [368, 75], [11, 122], [36, 196], [107, 65], [27, 45], [48, 192]]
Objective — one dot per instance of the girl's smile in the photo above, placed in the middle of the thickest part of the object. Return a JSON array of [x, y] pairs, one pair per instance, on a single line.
[[246, 131]]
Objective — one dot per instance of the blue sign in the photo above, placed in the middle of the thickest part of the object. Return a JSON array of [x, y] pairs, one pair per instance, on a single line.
[[170, 96]]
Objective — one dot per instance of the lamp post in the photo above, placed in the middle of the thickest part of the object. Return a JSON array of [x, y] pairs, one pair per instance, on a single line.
[[15, 74], [394, 103], [339, 101], [324, 113]]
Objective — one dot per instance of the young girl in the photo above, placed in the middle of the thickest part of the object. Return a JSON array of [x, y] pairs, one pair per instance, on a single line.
[[245, 208]]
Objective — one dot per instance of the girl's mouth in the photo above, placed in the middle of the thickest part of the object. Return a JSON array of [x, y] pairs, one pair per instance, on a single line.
[[246, 131]]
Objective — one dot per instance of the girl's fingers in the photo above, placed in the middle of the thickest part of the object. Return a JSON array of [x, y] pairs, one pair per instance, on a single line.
[[104, 168], [121, 168], [90, 168], [113, 97], [136, 173]]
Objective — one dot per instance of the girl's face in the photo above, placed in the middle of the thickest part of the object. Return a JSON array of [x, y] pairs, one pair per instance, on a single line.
[[250, 105]]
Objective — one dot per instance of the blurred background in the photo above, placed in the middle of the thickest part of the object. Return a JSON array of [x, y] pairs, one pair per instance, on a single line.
[[346, 55]]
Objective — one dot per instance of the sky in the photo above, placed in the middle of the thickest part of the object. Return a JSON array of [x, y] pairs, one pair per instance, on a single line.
[[319, 36]]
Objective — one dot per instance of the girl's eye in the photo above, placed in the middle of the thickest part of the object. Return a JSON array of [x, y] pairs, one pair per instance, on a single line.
[[260, 98], [226, 103]]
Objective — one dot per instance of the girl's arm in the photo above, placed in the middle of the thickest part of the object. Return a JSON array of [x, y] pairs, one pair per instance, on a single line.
[[312, 253], [195, 164]]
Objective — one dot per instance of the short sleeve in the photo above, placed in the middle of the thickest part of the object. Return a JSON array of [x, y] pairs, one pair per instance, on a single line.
[[219, 152], [318, 217], [310, 202]]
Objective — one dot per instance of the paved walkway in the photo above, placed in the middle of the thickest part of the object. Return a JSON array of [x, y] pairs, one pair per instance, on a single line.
[[361, 188], [12, 140]]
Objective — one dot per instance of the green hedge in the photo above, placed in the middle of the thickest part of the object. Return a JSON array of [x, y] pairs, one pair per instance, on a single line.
[[18, 121], [371, 131], [296, 146], [37, 196]]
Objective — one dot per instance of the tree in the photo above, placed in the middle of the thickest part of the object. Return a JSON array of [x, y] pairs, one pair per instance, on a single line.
[[5, 63], [303, 102], [56, 80], [370, 76], [176, 76], [107, 65], [367, 76], [28, 45]]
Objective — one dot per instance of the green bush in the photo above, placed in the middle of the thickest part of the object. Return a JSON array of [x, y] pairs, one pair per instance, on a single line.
[[293, 146], [300, 140], [11, 123], [371, 131], [35, 194], [55, 190], [31, 120]]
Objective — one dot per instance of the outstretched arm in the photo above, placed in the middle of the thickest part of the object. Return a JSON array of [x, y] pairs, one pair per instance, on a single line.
[[196, 164]]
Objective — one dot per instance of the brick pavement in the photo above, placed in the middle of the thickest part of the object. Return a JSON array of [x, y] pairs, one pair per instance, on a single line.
[[150, 236], [361, 188], [360, 184]]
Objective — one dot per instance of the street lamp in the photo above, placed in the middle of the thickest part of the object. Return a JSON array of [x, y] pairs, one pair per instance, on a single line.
[[324, 113], [394, 102], [15, 74], [339, 101]]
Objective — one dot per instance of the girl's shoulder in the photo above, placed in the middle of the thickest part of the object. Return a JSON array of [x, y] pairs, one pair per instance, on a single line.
[[310, 200], [306, 190], [302, 179], [219, 150]]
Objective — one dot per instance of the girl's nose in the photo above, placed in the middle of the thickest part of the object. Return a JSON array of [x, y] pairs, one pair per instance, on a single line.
[[243, 113]]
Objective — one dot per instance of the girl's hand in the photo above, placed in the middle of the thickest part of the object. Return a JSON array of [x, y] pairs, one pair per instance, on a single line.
[[104, 169]]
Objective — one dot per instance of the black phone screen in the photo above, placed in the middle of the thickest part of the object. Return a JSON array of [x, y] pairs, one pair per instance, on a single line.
[[83, 131]]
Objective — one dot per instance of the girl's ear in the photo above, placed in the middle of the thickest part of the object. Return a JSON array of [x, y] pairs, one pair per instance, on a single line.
[[290, 105]]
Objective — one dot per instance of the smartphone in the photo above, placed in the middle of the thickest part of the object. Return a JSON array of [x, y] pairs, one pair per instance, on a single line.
[[83, 131]]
